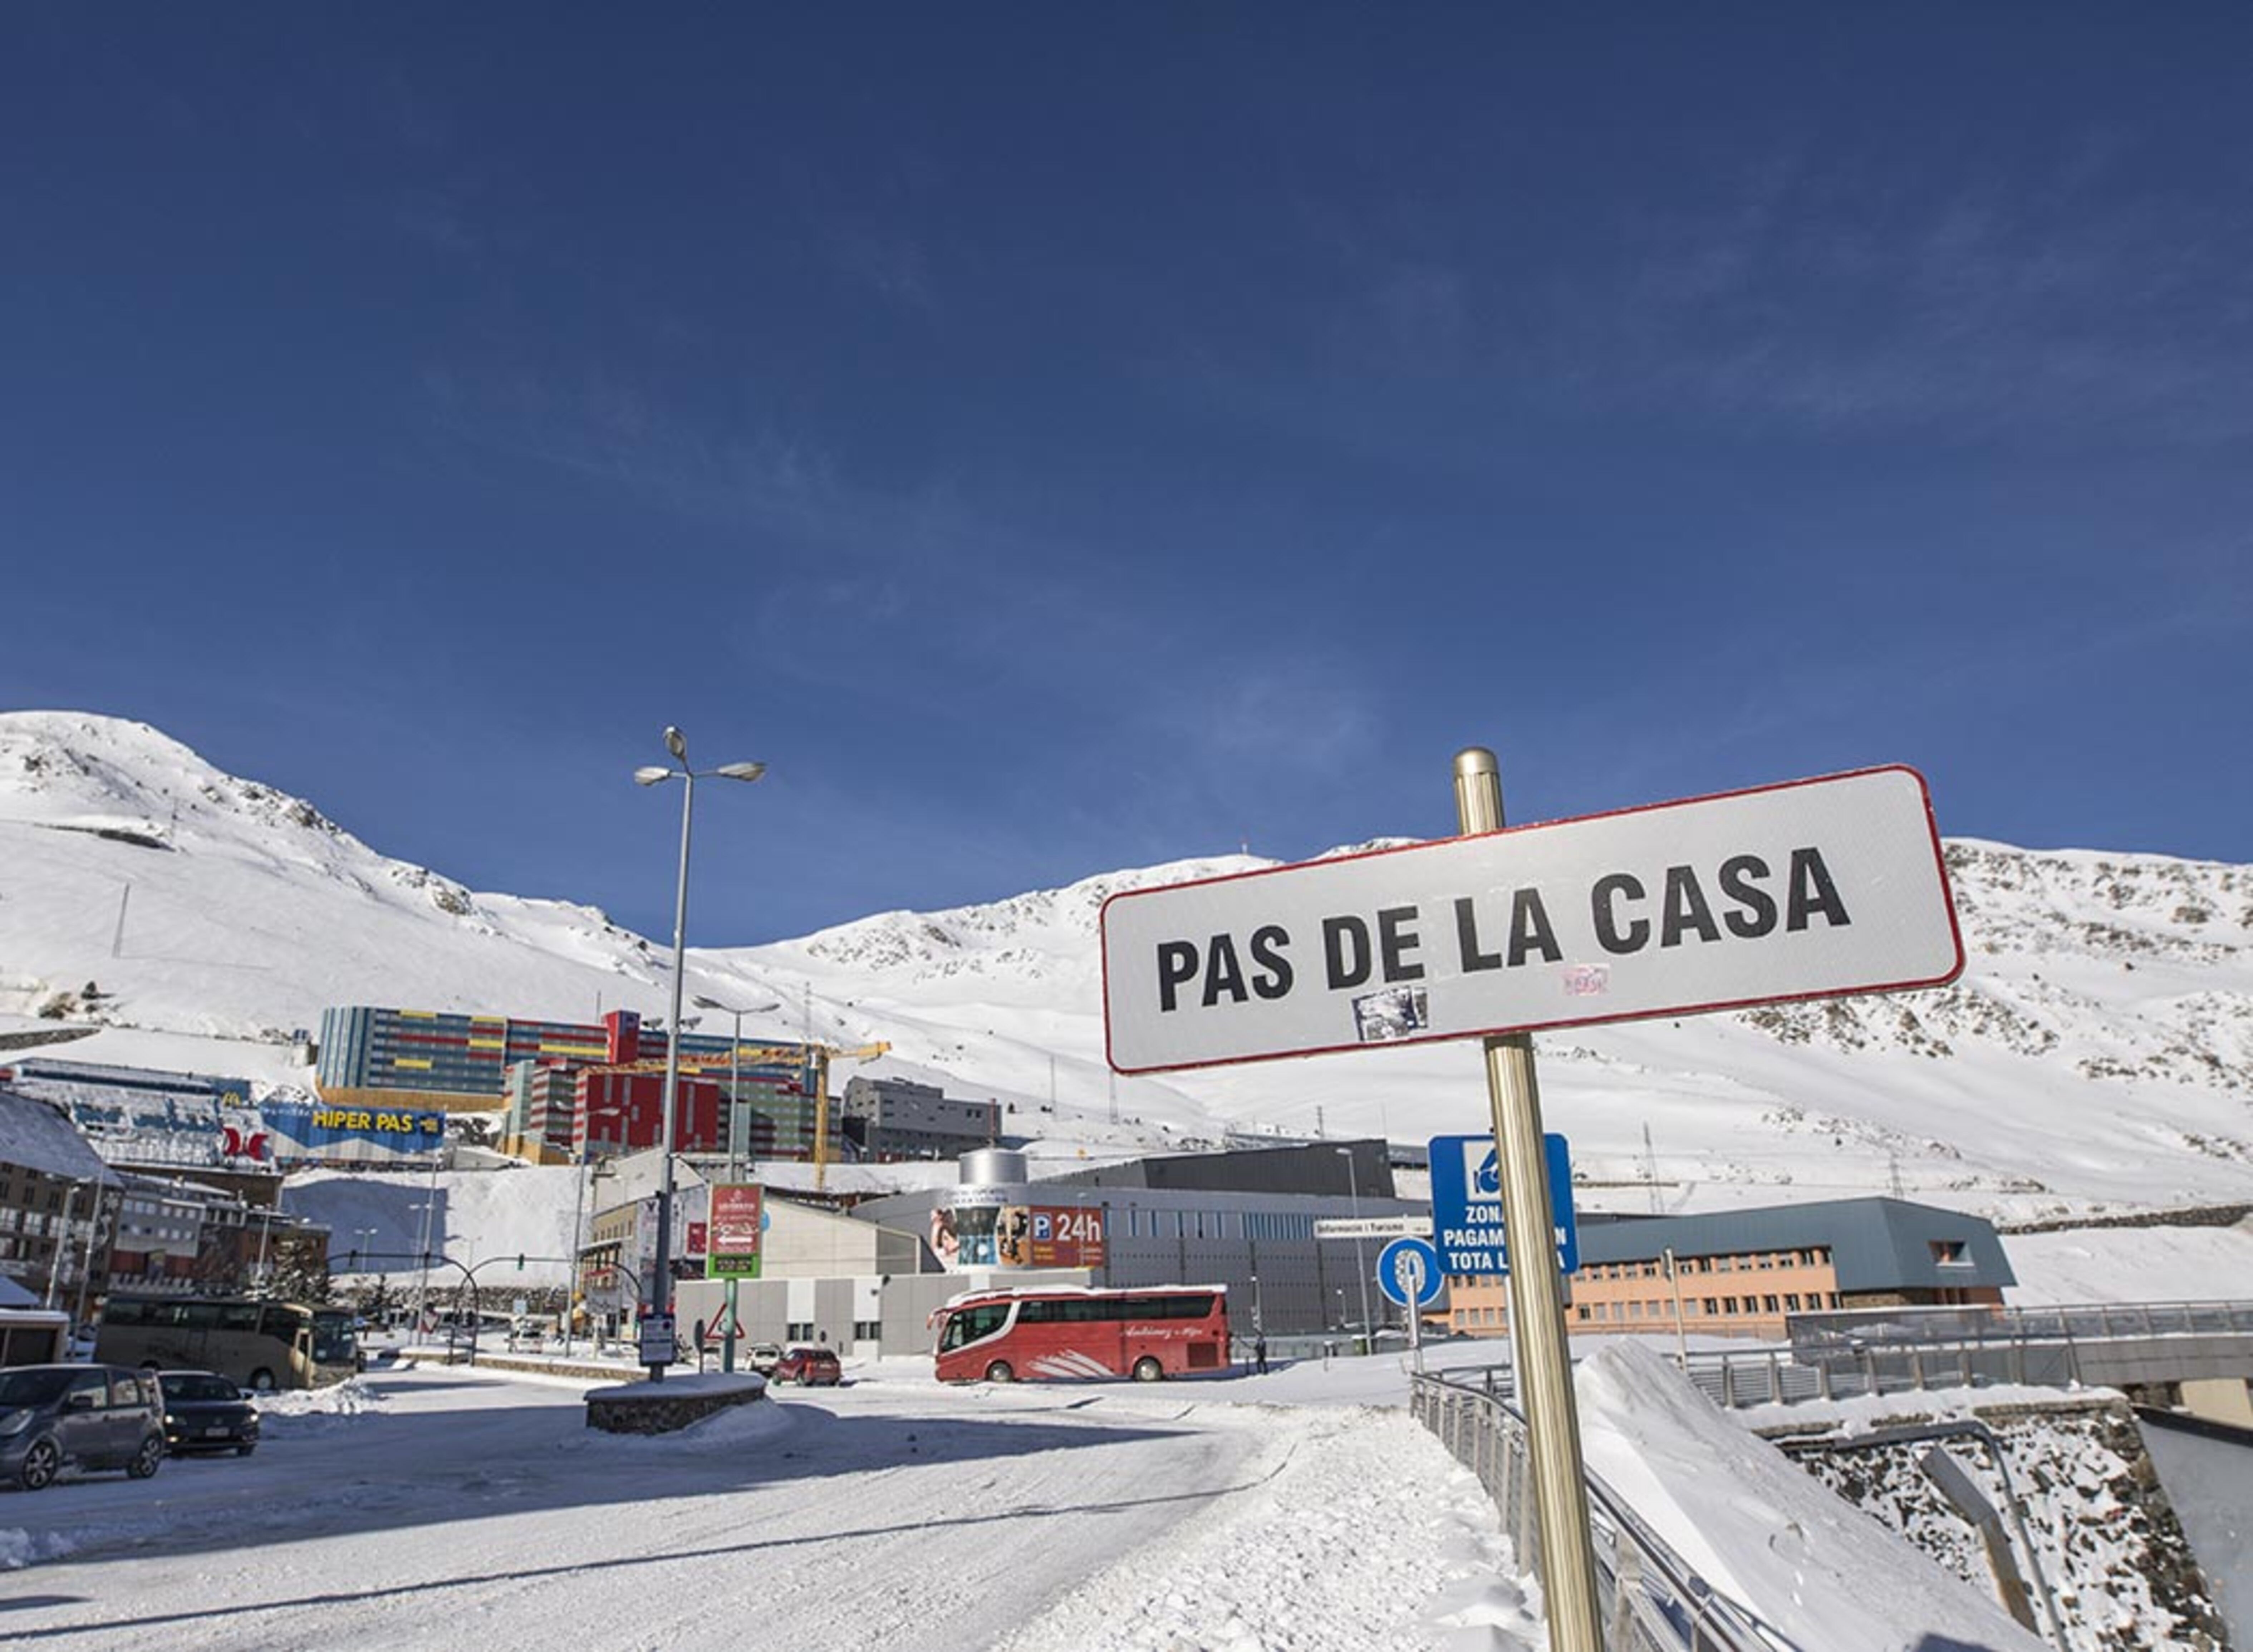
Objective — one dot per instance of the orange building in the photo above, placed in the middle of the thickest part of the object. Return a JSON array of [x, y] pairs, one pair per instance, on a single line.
[[1744, 1272]]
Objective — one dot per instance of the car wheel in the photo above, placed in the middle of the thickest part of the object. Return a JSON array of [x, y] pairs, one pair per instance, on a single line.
[[1147, 1370], [41, 1464], [146, 1460], [999, 1371], [261, 1381]]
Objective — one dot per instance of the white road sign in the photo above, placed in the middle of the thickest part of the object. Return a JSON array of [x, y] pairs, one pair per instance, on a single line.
[[1373, 1227], [1815, 889]]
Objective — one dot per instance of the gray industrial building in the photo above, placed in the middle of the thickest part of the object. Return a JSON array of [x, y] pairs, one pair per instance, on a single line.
[[1243, 1219], [887, 1118]]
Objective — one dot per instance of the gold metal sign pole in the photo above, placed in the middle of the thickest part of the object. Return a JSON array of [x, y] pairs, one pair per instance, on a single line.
[[1538, 1346]]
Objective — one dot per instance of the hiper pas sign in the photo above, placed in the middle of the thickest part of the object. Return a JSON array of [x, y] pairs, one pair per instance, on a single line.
[[1815, 889]]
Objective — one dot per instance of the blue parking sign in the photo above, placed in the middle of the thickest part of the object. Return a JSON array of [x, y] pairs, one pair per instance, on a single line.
[[1467, 1219]]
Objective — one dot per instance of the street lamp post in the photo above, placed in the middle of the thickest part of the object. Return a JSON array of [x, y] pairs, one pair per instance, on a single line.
[[265, 1233], [572, 1293], [428, 1206], [422, 1281], [738, 1128], [657, 1292], [1360, 1256]]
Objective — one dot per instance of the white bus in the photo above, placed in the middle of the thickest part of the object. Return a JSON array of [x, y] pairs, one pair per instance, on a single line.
[[253, 1344]]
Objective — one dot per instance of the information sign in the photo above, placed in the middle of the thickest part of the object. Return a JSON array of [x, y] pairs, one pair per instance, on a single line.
[[1467, 1216], [1371, 1227]]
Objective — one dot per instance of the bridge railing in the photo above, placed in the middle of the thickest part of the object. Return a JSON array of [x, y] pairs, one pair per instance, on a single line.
[[1859, 1326], [1844, 1355], [1652, 1600]]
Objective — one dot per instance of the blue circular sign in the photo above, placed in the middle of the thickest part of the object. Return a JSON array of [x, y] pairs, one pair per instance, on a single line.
[[1408, 1273]]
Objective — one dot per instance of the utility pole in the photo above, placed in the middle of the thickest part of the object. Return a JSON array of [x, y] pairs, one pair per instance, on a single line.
[[117, 941]]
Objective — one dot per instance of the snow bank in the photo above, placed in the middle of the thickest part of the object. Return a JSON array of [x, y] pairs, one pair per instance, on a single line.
[[1760, 1529], [1352, 1528]]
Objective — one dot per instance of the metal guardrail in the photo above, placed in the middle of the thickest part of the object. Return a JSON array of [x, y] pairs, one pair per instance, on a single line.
[[1845, 1356], [1652, 1600], [2088, 1322]]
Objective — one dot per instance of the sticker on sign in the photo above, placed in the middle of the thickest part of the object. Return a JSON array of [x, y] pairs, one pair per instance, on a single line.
[[1815, 889]]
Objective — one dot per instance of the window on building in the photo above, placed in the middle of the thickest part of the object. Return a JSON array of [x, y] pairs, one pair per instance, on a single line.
[[1635, 1310], [1728, 1305], [1772, 1304], [799, 1331], [1724, 1264], [1768, 1261], [867, 1330], [1584, 1312], [1791, 1301], [1952, 1253]]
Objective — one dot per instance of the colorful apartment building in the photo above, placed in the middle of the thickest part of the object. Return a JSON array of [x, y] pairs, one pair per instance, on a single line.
[[387, 1062], [1744, 1272]]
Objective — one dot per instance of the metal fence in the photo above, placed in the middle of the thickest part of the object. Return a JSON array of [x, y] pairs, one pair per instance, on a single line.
[[1652, 1601], [2097, 1321], [1844, 1355]]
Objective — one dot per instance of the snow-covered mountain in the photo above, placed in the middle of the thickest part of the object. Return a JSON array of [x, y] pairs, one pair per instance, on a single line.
[[2097, 1054]]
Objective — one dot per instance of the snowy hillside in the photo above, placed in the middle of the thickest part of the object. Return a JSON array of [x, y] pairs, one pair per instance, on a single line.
[[2097, 1054]]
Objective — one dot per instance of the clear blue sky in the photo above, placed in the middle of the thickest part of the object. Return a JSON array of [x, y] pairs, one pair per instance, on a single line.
[[1057, 438]]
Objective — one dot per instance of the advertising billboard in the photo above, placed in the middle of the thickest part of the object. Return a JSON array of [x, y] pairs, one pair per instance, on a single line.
[[1049, 1236], [734, 1232]]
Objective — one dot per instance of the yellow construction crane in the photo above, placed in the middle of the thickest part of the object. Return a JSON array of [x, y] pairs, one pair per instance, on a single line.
[[817, 1056], [821, 1054]]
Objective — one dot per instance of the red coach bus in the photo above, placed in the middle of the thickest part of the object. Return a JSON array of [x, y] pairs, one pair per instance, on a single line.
[[1060, 1332]]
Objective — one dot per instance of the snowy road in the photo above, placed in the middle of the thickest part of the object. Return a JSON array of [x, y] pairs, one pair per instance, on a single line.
[[448, 1508]]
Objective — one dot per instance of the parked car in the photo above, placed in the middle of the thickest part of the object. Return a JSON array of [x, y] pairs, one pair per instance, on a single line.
[[764, 1357], [54, 1417], [807, 1366], [203, 1412]]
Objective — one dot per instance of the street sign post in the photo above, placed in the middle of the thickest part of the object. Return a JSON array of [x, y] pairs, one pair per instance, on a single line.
[[1408, 1273], [1813, 889], [1467, 1219], [1817, 888]]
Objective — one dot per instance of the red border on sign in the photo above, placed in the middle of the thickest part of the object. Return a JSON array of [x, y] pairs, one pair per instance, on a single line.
[[1939, 861]]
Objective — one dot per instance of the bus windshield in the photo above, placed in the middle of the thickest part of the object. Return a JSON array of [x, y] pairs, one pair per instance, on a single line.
[[335, 1340], [969, 1324]]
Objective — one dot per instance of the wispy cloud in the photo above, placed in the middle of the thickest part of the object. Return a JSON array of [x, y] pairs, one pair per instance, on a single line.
[[601, 427], [1999, 306]]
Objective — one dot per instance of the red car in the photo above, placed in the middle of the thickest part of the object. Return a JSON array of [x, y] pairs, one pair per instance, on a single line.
[[807, 1366]]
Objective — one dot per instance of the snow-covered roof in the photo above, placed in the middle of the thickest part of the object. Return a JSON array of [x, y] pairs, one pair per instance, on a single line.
[[36, 1135]]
